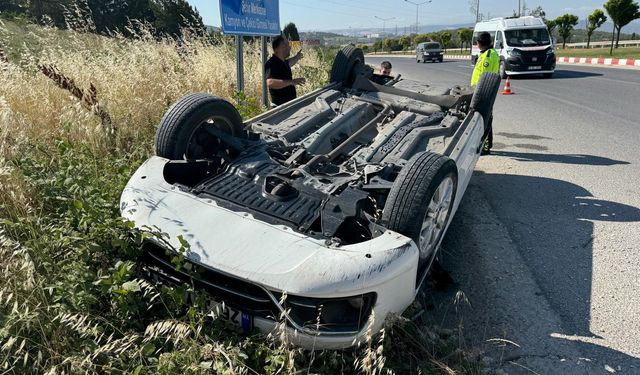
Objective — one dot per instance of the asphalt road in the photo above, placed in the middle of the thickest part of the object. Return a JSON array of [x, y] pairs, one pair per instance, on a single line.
[[546, 245]]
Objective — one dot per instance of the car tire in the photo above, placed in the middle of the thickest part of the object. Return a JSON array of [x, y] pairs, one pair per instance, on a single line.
[[503, 70], [440, 60], [485, 94], [412, 200], [346, 65], [182, 132], [548, 75]]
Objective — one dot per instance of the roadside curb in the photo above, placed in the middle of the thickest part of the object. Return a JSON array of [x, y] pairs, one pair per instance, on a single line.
[[598, 61], [458, 57]]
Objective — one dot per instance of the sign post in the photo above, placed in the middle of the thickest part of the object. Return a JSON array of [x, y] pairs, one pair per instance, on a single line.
[[239, 63], [263, 54], [250, 18]]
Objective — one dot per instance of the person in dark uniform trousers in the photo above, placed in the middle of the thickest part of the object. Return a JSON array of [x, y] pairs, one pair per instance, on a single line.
[[280, 82]]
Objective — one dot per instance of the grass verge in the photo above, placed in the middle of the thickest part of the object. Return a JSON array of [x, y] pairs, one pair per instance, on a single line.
[[618, 53]]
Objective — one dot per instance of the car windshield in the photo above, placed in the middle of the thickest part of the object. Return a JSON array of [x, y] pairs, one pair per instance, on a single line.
[[432, 46], [527, 37]]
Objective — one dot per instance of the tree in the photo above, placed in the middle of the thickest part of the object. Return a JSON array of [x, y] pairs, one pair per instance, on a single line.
[[621, 12], [390, 44], [171, 16], [538, 12], [377, 45], [290, 31], [565, 26], [420, 38], [465, 36], [444, 38], [551, 25], [594, 21], [405, 42]]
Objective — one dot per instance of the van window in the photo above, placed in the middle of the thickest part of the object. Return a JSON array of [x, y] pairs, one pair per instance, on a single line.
[[432, 46], [474, 41], [499, 39], [527, 37]]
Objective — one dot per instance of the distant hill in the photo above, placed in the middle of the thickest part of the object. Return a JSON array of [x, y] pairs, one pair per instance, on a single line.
[[633, 27]]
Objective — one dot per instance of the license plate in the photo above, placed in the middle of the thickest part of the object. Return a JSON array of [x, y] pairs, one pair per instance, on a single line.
[[535, 67], [219, 309], [231, 315]]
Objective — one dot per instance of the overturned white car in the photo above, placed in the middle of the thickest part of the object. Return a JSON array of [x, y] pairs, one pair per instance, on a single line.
[[339, 199]]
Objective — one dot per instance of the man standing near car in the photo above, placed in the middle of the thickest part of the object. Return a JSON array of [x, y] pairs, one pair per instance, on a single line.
[[488, 62], [280, 82]]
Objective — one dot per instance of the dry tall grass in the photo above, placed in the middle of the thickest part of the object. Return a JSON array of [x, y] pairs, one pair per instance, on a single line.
[[135, 80]]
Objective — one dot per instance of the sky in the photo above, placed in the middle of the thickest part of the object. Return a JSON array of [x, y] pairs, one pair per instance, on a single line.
[[322, 15]]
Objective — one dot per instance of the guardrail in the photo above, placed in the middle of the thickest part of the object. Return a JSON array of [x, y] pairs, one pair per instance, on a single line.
[[623, 44]]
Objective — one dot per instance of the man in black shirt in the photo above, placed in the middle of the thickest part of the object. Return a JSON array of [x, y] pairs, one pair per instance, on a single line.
[[280, 82]]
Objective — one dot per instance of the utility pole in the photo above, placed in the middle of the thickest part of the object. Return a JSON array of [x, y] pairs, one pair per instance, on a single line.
[[417, 7], [519, 9], [384, 22], [477, 11]]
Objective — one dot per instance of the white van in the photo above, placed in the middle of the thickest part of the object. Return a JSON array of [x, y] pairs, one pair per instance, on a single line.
[[524, 45]]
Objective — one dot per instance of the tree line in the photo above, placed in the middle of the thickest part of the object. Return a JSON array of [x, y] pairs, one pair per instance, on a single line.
[[460, 38], [167, 17]]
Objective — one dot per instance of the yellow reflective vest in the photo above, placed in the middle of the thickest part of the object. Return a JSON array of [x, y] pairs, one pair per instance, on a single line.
[[488, 61]]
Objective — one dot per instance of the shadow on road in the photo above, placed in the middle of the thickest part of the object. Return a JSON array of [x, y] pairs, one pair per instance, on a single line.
[[578, 159], [559, 74], [551, 225]]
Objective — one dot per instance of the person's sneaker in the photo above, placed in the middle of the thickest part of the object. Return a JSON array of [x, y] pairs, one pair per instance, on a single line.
[[486, 150]]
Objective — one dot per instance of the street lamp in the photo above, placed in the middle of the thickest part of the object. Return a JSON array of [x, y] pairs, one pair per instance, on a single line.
[[384, 22], [417, 6]]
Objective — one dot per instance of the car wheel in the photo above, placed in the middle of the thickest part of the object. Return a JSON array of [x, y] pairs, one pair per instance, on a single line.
[[184, 129], [346, 65], [485, 94], [503, 70], [548, 75], [440, 60], [421, 200]]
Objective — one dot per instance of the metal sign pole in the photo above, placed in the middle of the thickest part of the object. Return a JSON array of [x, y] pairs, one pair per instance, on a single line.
[[239, 63], [265, 98]]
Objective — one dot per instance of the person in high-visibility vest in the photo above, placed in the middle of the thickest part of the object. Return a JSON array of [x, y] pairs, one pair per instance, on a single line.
[[488, 61]]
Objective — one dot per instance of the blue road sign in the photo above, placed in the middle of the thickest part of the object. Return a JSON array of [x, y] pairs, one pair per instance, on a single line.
[[250, 17]]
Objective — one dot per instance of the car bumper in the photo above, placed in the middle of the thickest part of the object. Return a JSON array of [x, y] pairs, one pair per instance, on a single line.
[[516, 66], [265, 260], [432, 57]]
